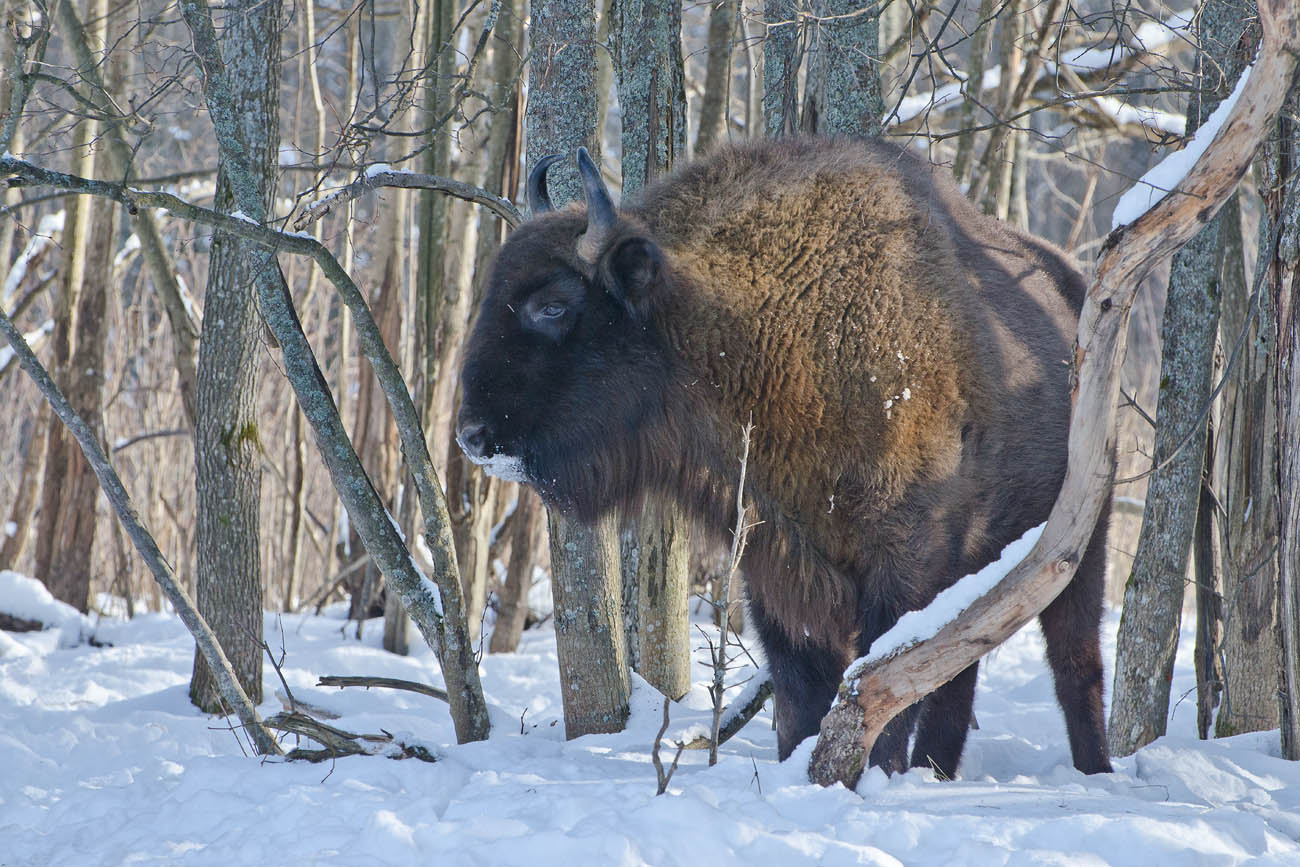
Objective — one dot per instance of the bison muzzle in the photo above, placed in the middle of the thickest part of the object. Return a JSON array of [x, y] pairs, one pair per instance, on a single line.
[[904, 359]]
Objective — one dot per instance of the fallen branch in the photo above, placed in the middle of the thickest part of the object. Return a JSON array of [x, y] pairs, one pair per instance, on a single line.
[[386, 682], [337, 743], [736, 715], [885, 687]]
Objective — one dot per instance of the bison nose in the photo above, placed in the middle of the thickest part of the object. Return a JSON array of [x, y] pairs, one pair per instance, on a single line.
[[473, 439]]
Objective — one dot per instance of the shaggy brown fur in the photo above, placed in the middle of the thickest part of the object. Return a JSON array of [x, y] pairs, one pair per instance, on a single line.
[[905, 363]]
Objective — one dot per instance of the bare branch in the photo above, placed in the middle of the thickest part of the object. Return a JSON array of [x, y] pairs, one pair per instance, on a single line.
[[377, 176]]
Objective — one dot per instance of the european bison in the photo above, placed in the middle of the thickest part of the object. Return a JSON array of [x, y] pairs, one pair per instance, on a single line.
[[905, 362]]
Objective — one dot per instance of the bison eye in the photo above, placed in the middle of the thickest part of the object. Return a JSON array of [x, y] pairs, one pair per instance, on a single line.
[[553, 310]]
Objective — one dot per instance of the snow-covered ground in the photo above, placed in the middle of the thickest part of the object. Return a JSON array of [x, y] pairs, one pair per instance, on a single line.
[[104, 761]]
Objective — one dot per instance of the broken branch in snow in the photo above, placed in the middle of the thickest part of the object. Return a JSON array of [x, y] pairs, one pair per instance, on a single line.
[[336, 742], [885, 687], [735, 716]]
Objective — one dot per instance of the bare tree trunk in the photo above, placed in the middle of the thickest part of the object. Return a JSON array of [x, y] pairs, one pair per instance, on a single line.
[[473, 494], [437, 20], [1282, 203], [972, 90], [527, 537], [14, 543], [1153, 597], [588, 626], [374, 430], [437, 609], [717, 78], [781, 60], [843, 88], [562, 110], [161, 269], [227, 443], [1247, 476], [66, 525], [1209, 604], [663, 588]]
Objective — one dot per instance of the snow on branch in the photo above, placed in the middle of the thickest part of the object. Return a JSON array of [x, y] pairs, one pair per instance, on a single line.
[[1167, 174]]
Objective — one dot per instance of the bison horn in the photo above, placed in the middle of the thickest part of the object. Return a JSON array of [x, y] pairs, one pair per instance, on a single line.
[[539, 199], [600, 207]]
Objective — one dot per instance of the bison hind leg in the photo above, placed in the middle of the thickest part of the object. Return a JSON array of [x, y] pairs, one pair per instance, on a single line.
[[1071, 630]]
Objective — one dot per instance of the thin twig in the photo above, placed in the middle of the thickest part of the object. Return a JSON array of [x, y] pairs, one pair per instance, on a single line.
[[654, 755]]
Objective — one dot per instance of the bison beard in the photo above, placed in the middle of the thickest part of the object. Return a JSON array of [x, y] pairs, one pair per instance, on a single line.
[[904, 359]]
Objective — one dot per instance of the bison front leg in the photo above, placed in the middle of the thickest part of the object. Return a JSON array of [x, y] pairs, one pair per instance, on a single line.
[[805, 677], [943, 725]]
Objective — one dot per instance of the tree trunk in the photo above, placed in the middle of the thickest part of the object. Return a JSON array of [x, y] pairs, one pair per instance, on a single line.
[[17, 528], [227, 444], [374, 430], [1153, 596], [437, 20], [527, 537], [1209, 604], [972, 90], [66, 525], [663, 587], [562, 110], [1282, 204], [843, 88], [652, 94], [781, 59], [717, 78], [588, 626], [1246, 468]]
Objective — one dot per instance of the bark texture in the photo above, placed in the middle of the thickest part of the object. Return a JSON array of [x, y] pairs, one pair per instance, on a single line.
[[65, 536], [227, 442], [781, 60], [843, 71], [588, 626], [715, 103], [1282, 201]]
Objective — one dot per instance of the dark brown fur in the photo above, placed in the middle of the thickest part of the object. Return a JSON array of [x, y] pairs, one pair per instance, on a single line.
[[905, 363]]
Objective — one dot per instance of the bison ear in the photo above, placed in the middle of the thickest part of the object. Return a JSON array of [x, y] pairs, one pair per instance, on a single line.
[[633, 270]]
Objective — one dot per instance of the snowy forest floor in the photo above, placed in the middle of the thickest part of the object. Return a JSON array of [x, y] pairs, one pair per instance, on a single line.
[[104, 761]]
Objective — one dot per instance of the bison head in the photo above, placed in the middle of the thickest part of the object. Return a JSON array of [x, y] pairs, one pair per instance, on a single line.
[[564, 368]]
